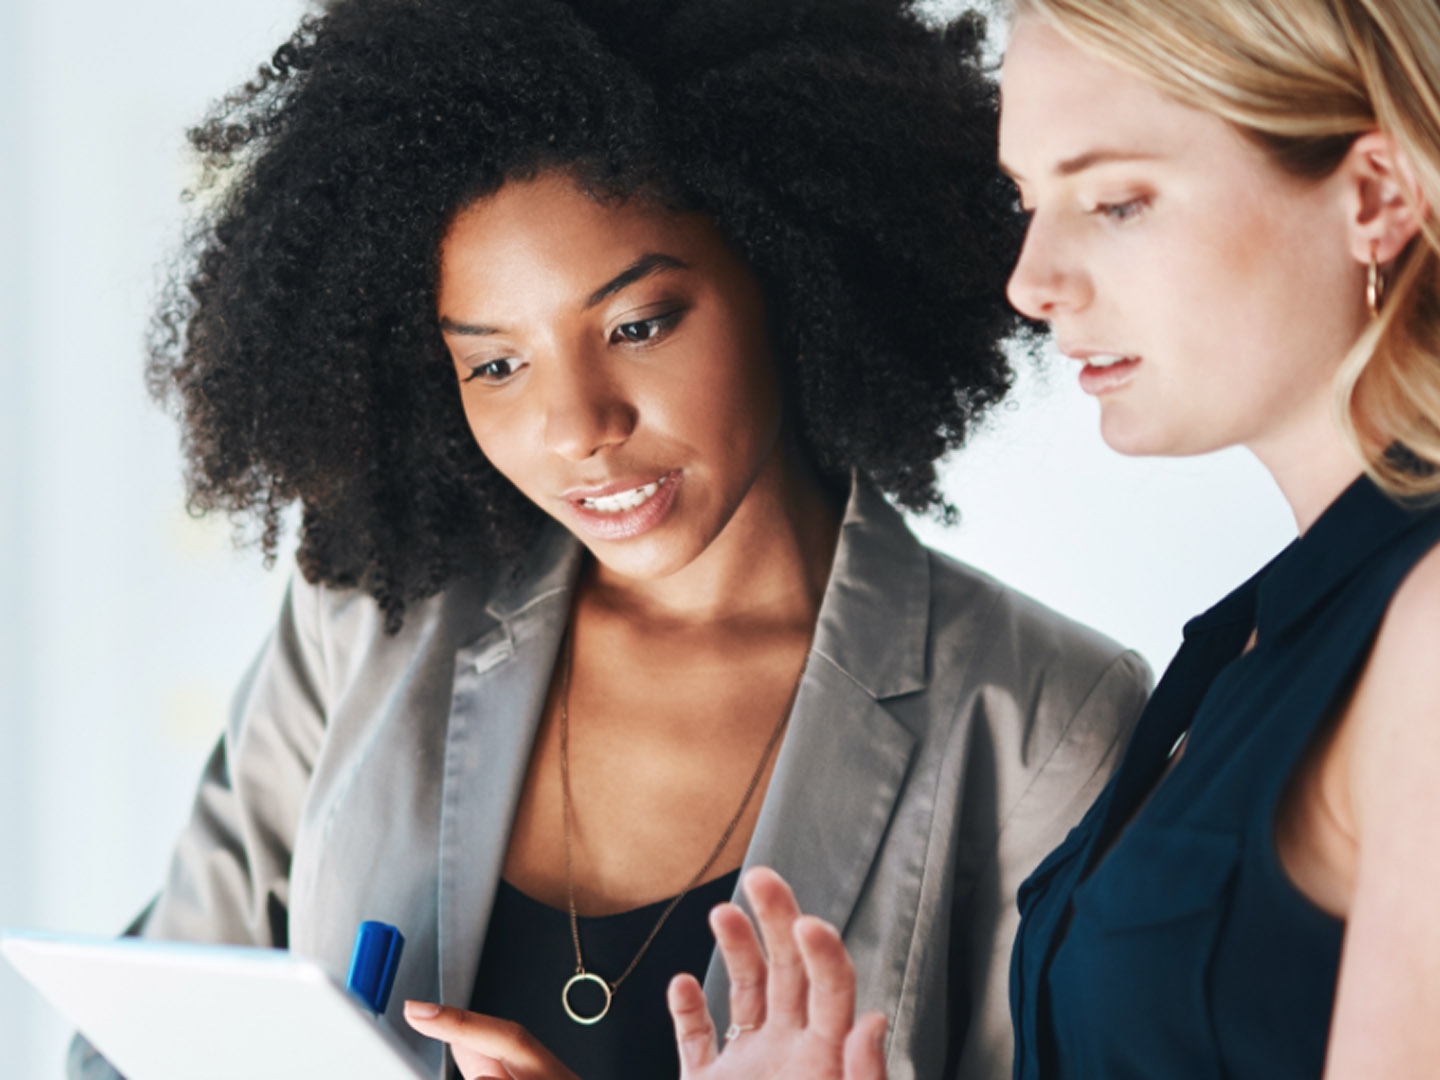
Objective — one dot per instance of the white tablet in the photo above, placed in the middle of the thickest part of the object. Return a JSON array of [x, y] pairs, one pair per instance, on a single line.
[[163, 1011]]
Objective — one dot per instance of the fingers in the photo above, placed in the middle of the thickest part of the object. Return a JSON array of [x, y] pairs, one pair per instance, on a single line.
[[474, 1066], [865, 1049], [744, 964], [479, 1042], [831, 1001], [694, 1030], [776, 912]]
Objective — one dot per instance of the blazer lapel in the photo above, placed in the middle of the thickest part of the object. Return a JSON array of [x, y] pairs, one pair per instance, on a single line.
[[844, 758], [500, 683]]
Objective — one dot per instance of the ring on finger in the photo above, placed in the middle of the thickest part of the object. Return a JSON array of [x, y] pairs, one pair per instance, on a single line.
[[734, 1031]]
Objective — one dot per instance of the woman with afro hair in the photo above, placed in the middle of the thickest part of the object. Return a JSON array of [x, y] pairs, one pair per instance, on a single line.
[[590, 337]]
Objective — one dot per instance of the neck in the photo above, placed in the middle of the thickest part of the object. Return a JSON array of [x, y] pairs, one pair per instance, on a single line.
[[771, 560], [1312, 464]]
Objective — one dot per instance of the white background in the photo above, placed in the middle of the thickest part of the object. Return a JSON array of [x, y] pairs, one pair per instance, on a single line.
[[123, 622]]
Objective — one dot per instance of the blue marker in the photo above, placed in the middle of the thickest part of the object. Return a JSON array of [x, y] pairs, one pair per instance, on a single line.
[[373, 964]]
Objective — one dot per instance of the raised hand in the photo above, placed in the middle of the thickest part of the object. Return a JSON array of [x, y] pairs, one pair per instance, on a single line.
[[791, 1017]]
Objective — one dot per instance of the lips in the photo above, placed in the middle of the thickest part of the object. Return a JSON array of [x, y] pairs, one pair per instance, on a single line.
[[628, 499], [1104, 378], [621, 510], [1103, 371]]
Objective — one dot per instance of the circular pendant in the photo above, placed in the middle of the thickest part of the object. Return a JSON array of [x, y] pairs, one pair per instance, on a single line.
[[576, 979]]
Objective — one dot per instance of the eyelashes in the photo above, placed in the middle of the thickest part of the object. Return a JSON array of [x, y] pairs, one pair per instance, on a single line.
[[1121, 212], [639, 333], [646, 331], [489, 371]]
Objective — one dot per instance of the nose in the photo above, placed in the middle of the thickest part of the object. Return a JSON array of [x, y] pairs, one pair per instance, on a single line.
[[1046, 281], [587, 409]]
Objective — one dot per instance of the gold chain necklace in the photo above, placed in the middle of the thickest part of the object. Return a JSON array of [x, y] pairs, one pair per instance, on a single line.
[[581, 975]]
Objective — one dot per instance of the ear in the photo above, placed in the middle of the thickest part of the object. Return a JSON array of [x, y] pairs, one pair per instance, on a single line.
[[1387, 206]]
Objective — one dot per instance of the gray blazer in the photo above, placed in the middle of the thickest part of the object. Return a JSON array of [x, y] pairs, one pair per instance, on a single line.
[[947, 733]]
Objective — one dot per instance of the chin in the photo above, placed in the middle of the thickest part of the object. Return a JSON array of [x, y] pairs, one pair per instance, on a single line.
[[641, 559], [1134, 435]]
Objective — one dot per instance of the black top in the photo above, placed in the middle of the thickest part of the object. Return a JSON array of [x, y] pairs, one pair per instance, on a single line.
[[529, 955], [1186, 951]]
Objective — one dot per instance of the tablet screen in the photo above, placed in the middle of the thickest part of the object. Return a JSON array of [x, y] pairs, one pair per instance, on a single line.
[[172, 1011]]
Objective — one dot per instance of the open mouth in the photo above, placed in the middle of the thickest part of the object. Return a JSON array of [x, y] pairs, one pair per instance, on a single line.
[[1107, 361], [622, 515], [1104, 372], [622, 501]]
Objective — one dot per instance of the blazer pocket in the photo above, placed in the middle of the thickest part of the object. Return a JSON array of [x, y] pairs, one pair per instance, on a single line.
[[1156, 876]]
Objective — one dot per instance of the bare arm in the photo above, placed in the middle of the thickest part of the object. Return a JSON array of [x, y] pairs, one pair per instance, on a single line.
[[1387, 1010]]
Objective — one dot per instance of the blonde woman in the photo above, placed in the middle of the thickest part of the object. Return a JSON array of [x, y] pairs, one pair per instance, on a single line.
[[1232, 233]]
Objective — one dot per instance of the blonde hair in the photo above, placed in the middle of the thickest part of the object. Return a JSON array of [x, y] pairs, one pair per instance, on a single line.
[[1303, 79]]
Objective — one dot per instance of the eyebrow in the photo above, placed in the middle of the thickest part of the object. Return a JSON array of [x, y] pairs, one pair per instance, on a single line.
[[642, 267], [1080, 162]]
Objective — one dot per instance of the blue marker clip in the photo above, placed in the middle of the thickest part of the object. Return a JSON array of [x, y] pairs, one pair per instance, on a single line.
[[373, 964]]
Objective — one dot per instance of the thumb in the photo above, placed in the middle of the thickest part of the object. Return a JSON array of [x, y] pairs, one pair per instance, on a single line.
[[865, 1049]]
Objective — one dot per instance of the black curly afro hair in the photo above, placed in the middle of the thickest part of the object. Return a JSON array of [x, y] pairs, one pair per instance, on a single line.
[[846, 148]]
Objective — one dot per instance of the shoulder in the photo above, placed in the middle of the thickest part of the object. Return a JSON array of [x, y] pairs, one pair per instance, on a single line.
[[1390, 737], [339, 632], [1411, 628], [1051, 692], [1397, 699], [1401, 677], [1386, 750], [1020, 642]]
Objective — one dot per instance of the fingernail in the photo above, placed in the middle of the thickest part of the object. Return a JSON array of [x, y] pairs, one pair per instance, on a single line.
[[422, 1010]]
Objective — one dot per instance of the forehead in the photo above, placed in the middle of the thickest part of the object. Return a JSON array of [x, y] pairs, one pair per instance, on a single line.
[[550, 229], [546, 215], [1058, 101]]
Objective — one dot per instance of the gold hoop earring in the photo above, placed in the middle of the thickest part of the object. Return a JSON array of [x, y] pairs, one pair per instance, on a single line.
[[1374, 285]]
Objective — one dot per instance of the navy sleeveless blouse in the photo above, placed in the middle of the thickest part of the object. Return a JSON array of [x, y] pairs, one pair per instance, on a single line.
[[1185, 951]]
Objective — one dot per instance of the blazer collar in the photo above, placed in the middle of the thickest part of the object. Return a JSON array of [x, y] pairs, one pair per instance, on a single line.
[[845, 756], [870, 645], [875, 616], [500, 681], [552, 570]]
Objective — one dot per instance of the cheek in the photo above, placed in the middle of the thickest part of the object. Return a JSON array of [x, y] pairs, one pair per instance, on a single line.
[[726, 395], [500, 436], [1271, 305], [1217, 291]]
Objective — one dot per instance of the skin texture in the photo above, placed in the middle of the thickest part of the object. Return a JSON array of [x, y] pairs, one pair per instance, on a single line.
[[845, 149], [1233, 283], [729, 581], [577, 369], [669, 376], [845, 236], [1241, 289]]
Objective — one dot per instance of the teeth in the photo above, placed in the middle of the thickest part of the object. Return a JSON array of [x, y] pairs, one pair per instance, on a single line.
[[623, 500], [1104, 361]]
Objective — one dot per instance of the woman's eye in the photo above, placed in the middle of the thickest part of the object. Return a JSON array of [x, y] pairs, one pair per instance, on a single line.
[[1123, 211], [492, 371], [645, 330]]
